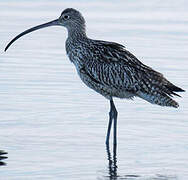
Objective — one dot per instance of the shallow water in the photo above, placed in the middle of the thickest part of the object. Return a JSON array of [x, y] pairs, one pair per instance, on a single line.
[[53, 126]]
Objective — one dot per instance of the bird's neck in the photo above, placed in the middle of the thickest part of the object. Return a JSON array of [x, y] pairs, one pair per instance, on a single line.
[[77, 33]]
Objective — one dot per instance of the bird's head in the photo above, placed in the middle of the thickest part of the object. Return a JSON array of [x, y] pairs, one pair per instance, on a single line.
[[70, 18]]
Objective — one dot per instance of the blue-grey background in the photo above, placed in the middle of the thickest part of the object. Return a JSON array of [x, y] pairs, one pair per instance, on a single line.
[[54, 127]]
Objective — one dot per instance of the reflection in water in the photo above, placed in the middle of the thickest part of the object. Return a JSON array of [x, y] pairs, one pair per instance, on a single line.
[[2, 153], [112, 162], [113, 175], [112, 166]]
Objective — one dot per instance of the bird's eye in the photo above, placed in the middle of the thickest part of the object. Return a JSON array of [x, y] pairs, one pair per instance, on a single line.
[[66, 17]]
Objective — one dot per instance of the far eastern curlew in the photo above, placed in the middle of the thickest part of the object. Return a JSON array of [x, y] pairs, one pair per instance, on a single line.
[[109, 69]]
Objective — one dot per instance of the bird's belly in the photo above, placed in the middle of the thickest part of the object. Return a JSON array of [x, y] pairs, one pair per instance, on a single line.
[[104, 90], [94, 85]]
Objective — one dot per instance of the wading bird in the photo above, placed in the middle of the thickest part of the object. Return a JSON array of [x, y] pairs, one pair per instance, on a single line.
[[109, 69]]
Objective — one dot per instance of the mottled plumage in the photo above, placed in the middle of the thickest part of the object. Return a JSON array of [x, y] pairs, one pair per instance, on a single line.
[[112, 71], [109, 69]]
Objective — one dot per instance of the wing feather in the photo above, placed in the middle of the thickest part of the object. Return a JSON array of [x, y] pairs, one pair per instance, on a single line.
[[113, 66]]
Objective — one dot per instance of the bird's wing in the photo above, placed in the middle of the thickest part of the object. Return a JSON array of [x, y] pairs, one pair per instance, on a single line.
[[112, 51], [106, 65], [114, 66]]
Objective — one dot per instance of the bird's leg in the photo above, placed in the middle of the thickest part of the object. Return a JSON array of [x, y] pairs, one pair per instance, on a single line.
[[109, 126], [109, 123], [112, 115]]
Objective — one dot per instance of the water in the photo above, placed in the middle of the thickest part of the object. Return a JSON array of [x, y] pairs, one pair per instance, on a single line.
[[53, 126]]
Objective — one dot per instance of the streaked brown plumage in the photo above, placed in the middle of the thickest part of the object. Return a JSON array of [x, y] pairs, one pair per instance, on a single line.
[[112, 71], [109, 69]]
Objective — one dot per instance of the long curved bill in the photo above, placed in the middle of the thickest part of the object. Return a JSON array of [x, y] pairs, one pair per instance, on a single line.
[[51, 23]]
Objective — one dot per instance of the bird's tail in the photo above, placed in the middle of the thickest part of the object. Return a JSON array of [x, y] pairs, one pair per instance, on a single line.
[[161, 95], [158, 98]]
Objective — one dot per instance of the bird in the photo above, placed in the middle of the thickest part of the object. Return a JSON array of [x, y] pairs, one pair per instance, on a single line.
[[109, 68]]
